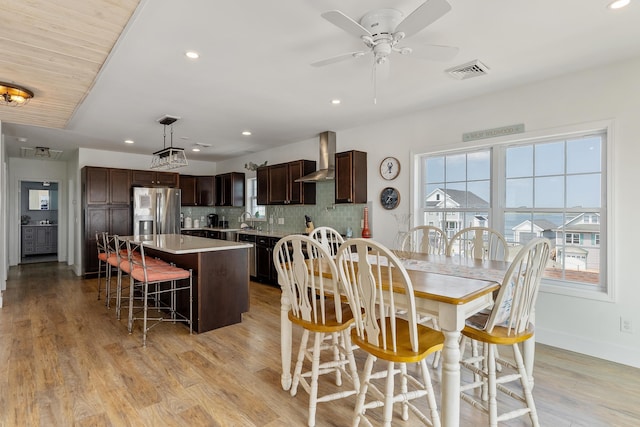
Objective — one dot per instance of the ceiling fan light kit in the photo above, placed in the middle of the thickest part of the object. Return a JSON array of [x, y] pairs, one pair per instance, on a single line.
[[382, 30]]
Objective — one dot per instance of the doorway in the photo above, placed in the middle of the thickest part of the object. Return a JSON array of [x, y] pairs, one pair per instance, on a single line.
[[38, 221]]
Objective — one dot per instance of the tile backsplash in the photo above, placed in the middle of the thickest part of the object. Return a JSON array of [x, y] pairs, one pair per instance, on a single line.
[[323, 213]]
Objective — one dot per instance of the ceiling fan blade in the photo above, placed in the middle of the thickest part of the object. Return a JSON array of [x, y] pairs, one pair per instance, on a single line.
[[341, 20], [434, 52], [426, 14], [339, 58]]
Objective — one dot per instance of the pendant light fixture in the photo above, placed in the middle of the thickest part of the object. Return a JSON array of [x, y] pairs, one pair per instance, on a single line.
[[169, 157]]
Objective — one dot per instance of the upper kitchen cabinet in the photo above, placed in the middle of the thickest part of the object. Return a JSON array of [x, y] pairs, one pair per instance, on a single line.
[[351, 177], [188, 196], [154, 179], [262, 178], [106, 186], [229, 189], [206, 190], [277, 184]]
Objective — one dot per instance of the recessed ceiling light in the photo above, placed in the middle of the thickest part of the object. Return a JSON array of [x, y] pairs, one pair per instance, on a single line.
[[335, 101], [22, 139], [195, 149], [128, 141], [618, 4], [191, 54], [246, 133]]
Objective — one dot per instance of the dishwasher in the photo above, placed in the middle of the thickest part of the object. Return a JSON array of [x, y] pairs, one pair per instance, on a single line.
[[251, 239]]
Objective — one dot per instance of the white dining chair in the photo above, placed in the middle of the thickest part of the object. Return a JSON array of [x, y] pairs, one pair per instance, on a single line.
[[307, 275], [328, 237], [508, 324], [424, 239], [480, 243], [370, 272]]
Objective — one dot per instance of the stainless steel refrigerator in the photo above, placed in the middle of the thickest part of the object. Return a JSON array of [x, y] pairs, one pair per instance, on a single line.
[[156, 211]]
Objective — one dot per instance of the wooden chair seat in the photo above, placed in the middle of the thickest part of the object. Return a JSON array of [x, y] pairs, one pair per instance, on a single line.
[[429, 341], [331, 322], [499, 335]]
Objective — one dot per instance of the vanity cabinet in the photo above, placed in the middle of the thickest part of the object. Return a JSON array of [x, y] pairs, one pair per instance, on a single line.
[[39, 240], [351, 177], [277, 184], [229, 189], [141, 178]]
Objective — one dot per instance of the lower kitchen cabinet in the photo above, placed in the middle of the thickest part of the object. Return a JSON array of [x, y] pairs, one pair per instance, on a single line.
[[265, 270], [97, 219]]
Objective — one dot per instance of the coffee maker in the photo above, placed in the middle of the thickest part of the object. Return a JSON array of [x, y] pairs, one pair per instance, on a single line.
[[212, 220]]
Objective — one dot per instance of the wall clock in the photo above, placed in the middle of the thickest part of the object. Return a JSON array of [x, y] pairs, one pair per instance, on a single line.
[[389, 198], [389, 168]]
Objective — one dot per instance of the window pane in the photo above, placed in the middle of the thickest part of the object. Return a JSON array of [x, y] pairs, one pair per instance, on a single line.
[[519, 193], [479, 194], [478, 165], [550, 159], [519, 161], [456, 168], [549, 192], [583, 191], [435, 169], [584, 155]]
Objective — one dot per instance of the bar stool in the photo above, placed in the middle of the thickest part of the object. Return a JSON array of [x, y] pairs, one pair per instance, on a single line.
[[103, 265], [144, 272]]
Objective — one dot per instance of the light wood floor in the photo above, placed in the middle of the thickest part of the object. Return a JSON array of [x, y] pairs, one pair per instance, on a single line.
[[65, 360]]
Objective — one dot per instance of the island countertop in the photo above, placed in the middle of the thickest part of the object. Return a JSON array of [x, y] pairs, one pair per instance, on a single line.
[[184, 244]]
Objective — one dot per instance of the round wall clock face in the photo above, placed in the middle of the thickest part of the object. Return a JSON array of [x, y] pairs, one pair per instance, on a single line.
[[389, 168], [390, 198]]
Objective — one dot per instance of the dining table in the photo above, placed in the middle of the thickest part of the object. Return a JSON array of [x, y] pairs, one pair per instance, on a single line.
[[449, 288]]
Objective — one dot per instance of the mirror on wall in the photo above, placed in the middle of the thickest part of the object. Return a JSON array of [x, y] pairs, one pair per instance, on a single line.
[[39, 200]]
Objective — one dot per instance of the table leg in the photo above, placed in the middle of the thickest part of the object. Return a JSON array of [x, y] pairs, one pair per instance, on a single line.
[[285, 341], [450, 393]]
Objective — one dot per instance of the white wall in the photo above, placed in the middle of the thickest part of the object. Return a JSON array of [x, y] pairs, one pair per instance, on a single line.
[[113, 159], [35, 170], [613, 92], [4, 245]]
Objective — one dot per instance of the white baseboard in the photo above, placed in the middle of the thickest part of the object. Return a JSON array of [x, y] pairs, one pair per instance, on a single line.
[[607, 351]]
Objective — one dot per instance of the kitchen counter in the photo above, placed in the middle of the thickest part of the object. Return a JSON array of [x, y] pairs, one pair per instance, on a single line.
[[184, 244], [39, 225], [220, 276]]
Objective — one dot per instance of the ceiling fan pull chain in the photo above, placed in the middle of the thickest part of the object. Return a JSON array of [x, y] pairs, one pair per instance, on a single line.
[[375, 82]]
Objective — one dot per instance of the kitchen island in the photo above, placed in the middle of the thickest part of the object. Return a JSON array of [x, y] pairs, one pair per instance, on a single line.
[[220, 275]]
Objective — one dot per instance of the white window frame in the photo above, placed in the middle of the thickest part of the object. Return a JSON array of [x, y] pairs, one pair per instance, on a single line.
[[608, 193], [251, 200]]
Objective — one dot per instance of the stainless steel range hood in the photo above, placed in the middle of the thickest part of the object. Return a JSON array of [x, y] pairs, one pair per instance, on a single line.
[[326, 160]]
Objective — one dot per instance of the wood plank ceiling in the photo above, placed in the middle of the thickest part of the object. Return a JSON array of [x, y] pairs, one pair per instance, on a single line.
[[56, 49]]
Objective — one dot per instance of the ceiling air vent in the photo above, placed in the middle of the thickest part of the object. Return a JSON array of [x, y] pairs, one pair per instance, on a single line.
[[470, 69], [44, 153]]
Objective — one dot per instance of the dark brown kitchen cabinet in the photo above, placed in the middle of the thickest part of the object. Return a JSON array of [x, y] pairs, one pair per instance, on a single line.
[[206, 190], [262, 178], [98, 219], [229, 189], [188, 196], [105, 185], [265, 270], [277, 184], [141, 178], [351, 177], [197, 190]]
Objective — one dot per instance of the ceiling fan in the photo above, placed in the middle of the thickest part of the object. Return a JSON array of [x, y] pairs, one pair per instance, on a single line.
[[383, 30]]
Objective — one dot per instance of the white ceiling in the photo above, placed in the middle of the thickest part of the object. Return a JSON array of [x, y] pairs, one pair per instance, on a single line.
[[254, 70]]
